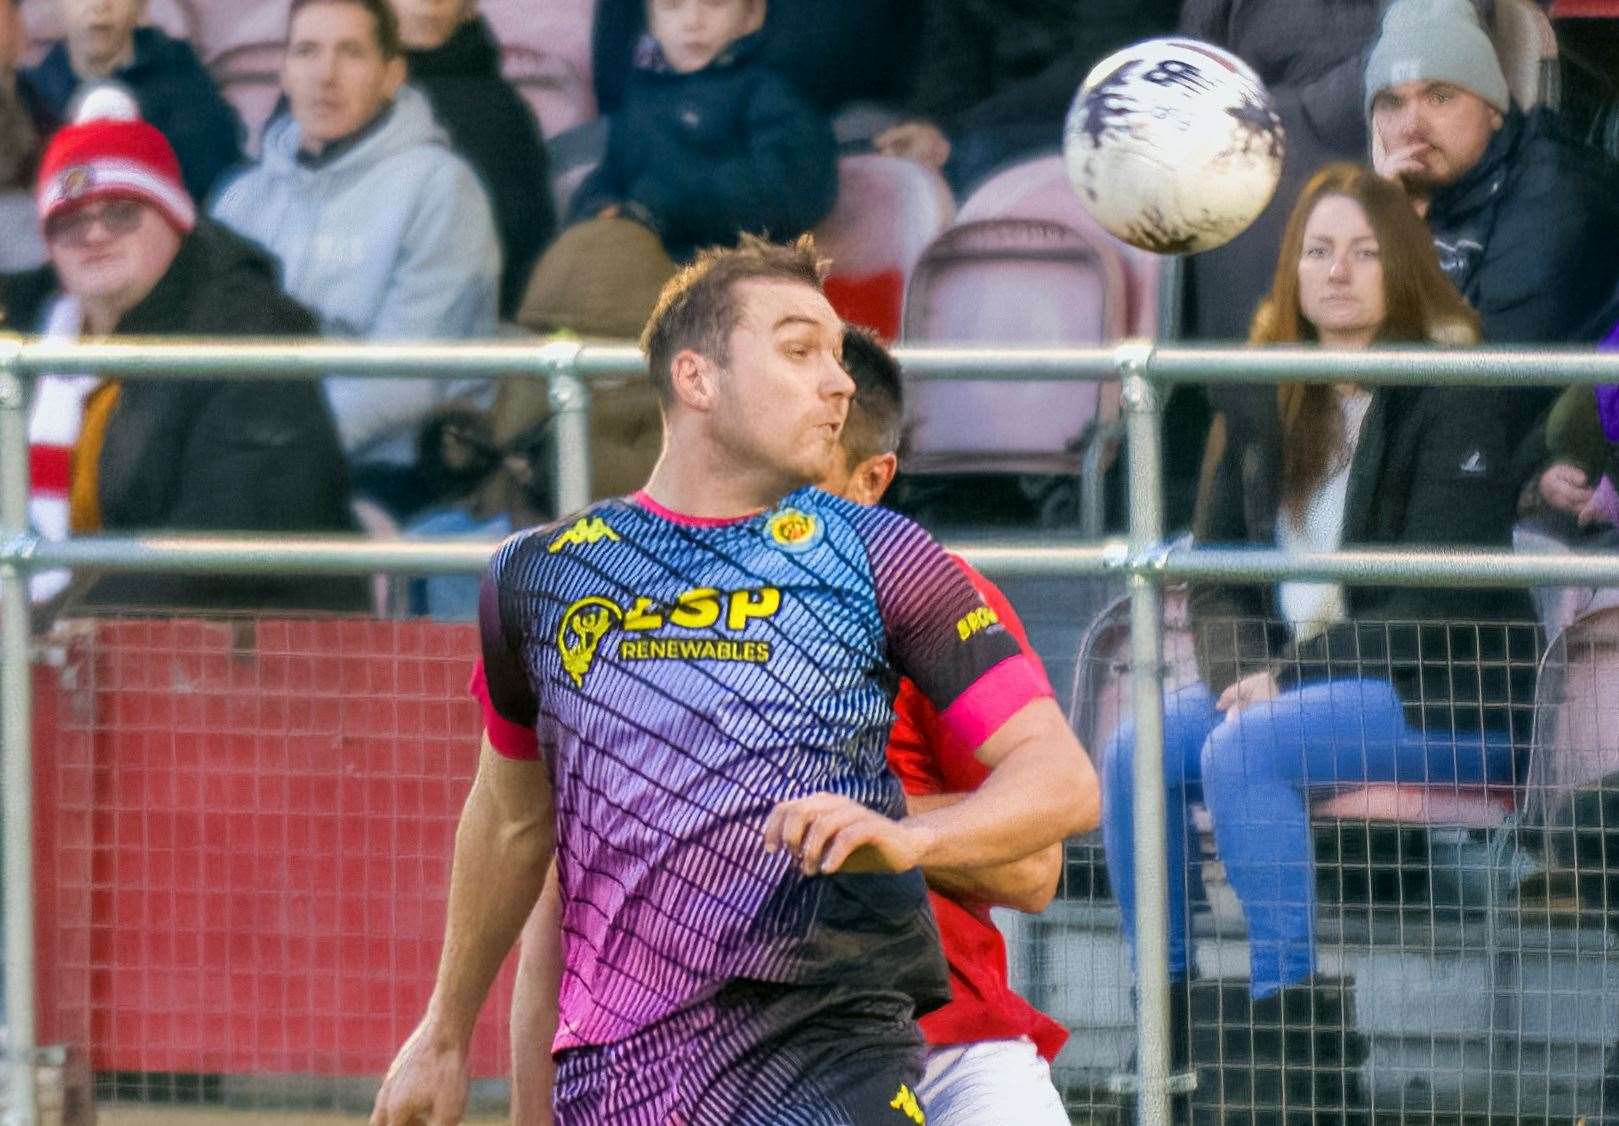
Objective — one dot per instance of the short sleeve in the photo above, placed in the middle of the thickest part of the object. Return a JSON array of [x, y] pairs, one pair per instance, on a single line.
[[944, 636], [499, 682]]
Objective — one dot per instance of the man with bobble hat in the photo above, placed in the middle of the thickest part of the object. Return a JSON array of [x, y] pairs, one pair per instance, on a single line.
[[129, 256]]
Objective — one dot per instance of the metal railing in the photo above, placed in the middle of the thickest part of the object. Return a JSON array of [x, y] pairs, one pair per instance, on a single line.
[[1144, 556]]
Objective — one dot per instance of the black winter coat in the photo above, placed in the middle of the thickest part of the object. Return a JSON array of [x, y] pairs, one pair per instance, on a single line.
[[991, 63], [491, 125], [175, 93], [1529, 236], [1432, 471], [1311, 55], [215, 455], [833, 51], [703, 158]]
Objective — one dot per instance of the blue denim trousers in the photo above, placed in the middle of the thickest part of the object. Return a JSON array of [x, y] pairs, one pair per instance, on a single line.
[[1255, 772]]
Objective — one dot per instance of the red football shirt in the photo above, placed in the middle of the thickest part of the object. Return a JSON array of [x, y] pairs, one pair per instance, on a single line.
[[929, 760]]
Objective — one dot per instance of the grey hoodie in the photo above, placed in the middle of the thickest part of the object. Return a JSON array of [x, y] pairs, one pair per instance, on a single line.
[[391, 239]]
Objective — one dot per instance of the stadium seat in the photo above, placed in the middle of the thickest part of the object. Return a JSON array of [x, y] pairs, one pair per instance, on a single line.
[[546, 51], [1576, 740], [1022, 263], [1527, 46], [44, 26], [249, 76], [887, 213], [229, 25], [1039, 189]]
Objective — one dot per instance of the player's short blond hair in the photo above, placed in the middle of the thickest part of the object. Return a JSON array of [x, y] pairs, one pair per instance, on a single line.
[[698, 307]]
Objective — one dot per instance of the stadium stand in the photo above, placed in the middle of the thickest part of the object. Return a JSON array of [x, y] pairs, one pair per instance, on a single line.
[[546, 46], [1022, 261], [888, 211]]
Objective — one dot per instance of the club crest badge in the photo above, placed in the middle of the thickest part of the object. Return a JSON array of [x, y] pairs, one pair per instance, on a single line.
[[794, 530]]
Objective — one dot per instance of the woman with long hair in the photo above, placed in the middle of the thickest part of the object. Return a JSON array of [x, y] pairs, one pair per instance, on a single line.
[[1307, 687]]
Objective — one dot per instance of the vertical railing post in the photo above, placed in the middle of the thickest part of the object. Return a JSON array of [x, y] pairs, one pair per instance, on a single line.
[[1144, 441], [16, 739], [570, 410]]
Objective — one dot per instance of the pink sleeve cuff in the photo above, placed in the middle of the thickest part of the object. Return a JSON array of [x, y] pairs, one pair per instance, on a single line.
[[993, 699], [512, 740]]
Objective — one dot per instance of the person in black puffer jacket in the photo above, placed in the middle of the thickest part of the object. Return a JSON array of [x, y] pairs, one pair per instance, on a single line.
[[454, 59]]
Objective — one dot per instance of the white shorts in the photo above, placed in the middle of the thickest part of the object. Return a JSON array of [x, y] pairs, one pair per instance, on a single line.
[[991, 1083]]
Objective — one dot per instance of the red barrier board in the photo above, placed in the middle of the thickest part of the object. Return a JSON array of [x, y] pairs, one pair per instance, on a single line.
[[245, 832]]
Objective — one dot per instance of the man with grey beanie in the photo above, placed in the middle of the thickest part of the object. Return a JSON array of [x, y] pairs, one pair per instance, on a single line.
[[1523, 221]]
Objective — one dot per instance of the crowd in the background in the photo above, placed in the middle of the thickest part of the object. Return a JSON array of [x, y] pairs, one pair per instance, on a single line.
[[402, 190]]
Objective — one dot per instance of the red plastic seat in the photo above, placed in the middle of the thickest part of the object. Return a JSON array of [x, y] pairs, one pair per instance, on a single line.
[[887, 213]]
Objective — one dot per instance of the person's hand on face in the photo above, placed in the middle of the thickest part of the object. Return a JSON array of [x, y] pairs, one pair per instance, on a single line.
[[921, 141], [1428, 135], [1565, 487]]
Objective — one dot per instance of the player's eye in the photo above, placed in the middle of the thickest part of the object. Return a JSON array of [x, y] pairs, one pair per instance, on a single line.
[[1315, 252], [1369, 253]]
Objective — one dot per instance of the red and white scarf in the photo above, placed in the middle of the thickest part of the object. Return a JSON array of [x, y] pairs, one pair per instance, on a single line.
[[54, 423]]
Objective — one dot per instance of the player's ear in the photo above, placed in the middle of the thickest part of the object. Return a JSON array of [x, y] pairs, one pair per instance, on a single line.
[[692, 380], [872, 477]]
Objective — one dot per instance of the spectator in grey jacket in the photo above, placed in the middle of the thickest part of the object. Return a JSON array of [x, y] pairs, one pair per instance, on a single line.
[[379, 226]]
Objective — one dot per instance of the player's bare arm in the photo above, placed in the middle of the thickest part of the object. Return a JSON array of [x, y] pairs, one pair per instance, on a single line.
[[534, 1009], [1026, 885], [503, 846], [1041, 790]]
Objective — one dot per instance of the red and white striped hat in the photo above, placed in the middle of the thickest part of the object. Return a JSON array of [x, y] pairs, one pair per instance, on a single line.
[[109, 153]]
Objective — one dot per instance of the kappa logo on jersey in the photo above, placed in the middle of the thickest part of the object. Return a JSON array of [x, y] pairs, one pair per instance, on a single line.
[[794, 530], [905, 1102], [585, 531], [588, 621]]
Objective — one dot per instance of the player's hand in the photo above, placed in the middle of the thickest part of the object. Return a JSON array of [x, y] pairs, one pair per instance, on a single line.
[[426, 1086], [829, 833], [1565, 488], [921, 141], [1251, 689]]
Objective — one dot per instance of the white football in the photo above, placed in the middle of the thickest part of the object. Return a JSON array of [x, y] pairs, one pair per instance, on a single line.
[[1174, 145]]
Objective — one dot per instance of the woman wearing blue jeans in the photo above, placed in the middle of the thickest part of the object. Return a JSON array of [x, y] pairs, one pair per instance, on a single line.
[[1309, 687]]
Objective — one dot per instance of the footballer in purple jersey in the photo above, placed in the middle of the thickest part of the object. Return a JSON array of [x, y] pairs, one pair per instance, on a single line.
[[687, 695]]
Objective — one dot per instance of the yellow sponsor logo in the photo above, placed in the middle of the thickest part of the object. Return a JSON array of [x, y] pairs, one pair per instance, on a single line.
[[584, 624], [588, 621], [905, 1102], [694, 649], [794, 530], [585, 531], [977, 621]]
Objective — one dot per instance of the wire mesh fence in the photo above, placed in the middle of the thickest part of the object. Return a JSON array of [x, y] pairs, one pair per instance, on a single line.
[[245, 827], [245, 832], [1464, 964]]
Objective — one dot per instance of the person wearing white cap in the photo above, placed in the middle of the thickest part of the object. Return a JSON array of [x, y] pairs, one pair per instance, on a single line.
[[129, 256]]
